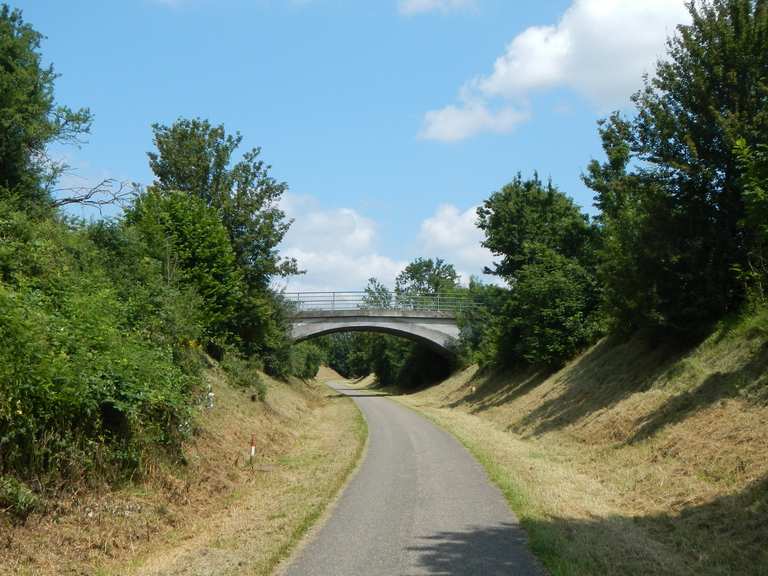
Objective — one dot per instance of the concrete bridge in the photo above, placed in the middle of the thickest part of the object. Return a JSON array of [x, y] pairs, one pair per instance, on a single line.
[[428, 319]]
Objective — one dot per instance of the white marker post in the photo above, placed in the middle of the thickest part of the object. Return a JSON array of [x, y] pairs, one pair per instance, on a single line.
[[253, 447]]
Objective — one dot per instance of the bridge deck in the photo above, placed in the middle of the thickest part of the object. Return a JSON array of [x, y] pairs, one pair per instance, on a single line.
[[338, 304]]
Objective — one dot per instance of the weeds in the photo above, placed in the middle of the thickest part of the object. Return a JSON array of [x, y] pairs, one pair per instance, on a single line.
[[17, 499]]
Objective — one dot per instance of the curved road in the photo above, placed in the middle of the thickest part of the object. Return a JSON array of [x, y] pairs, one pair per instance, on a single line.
[[419, 504]]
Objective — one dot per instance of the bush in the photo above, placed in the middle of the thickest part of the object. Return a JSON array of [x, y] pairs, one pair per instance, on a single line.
[[244, 373], [82, 384], [305, 360], [192, 244], [549, 314], [17, 498]]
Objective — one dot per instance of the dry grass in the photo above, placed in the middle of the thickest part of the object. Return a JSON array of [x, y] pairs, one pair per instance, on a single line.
[[220, 515], [633, 459]]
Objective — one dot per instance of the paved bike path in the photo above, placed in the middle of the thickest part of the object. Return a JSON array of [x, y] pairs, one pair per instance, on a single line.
[[419, 504]]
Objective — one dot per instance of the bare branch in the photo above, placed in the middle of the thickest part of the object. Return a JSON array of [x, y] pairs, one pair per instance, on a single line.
[[108, 192]]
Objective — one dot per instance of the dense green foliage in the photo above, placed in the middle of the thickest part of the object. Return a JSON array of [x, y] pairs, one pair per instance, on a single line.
[[754, 173], [525, 219], [189, 238], [548, 256], [102, 324], [305, 359], [680, 235], [195, 158], [30, 120], [87, 378], [671, 197], [425, 276]]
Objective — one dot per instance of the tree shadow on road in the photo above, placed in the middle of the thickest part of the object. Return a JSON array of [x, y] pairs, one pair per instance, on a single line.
[[502, 549], [358, 393]]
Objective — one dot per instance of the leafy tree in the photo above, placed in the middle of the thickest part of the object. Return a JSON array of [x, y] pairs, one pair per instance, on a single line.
[[30, 120], [306, 358], [550, 312], [526, 215], [197, 158], [754, 171], [377, 295], [634, 257], [547, 250], [188, 237], [157, 303], [338, 349], [673, 172], [482, 323], [426, 276]]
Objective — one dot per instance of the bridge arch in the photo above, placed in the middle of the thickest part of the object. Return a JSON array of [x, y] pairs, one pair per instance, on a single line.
[[437, 331]]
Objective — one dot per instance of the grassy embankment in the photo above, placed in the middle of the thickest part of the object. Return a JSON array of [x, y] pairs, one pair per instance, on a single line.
[[219, 515], [634, 458]]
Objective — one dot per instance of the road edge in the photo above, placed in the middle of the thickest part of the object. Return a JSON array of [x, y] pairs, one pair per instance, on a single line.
[[306, 532]]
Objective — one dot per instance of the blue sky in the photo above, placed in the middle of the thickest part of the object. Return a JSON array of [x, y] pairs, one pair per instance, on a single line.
[[389, 119]]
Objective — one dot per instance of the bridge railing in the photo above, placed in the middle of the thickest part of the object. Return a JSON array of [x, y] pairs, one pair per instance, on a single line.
[[340, 301]]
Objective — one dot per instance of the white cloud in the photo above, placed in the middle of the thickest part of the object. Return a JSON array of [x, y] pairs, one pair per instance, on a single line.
[[420, 6], [338, 270], [336, 229], [454, 123], [335, 246], [453, 235], [338, 247], [600, 49]]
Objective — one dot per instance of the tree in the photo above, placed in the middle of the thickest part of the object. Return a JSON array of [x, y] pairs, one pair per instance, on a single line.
[[30, 120], [753, 165], [634, 258], [526, 215], [377, 295], [481, 323], [197, 158], [425, 276], [189, 238], [549, 315], [684, 195], [547, 250]]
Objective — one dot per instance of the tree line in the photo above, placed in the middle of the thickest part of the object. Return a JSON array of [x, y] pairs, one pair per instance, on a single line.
[[104, 324]]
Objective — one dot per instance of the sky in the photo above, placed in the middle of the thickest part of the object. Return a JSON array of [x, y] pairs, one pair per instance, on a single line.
[[390, 120]]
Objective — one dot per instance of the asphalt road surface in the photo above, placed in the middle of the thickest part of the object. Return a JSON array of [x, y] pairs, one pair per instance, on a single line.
[[419, 504]]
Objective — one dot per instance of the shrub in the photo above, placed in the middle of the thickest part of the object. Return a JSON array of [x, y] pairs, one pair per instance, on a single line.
[[305, 360], [17, 498], [82, 384], [244, 373]]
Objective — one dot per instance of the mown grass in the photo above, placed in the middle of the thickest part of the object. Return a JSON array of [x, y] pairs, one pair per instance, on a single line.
[[637, 458], [217, 514], [314, 513]]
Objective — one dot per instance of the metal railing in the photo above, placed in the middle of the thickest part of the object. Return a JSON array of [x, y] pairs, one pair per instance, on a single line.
[[340, 301]]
